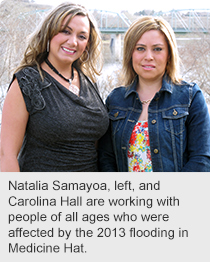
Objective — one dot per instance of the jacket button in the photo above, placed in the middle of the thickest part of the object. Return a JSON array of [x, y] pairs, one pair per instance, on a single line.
[[175, 112], [116, 114], [156, 151], [154, 121]]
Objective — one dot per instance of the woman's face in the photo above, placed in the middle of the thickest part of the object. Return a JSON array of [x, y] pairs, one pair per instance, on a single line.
[[150, 56], [69, 44]]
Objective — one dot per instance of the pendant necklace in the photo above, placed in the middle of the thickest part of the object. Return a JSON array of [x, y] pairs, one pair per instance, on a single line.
[[144, 102], [72, 88]]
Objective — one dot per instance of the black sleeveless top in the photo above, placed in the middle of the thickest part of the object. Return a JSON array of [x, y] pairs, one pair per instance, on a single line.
[[63, 128]]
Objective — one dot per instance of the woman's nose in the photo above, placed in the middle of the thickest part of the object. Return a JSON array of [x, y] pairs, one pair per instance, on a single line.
[[72, 40], [148, 55]]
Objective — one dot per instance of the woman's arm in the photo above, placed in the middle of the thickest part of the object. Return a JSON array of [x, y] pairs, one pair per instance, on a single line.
[[13, 126], [198, 135], [106, 156]]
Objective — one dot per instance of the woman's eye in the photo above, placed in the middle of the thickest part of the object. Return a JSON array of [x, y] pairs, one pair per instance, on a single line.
[[158, 49], [66, 32], [140, 48], [83, 37]]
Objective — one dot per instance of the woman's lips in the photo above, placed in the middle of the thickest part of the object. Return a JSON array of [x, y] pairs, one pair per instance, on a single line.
[[148, 67], [69, 51]]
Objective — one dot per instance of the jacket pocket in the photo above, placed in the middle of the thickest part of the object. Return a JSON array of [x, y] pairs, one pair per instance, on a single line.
[[174, 119], [117, 118]]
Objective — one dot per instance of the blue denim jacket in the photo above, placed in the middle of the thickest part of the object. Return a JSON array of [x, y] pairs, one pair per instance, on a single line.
[[179, 129]]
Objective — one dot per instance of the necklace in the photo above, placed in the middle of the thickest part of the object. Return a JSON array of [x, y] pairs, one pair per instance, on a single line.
[[56, 71], [144, 102], [72, 88]]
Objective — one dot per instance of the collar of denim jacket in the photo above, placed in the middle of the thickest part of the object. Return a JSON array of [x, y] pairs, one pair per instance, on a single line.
[[167, 86]]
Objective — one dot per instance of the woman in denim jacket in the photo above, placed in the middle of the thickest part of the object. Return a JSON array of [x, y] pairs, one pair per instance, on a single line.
[[157, 121]]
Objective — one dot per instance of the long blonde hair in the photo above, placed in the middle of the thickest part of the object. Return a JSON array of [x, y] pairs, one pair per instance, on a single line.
[[134, 33], [36, 52]]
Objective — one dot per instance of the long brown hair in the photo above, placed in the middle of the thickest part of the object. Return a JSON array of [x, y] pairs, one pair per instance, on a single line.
[[36, 51]]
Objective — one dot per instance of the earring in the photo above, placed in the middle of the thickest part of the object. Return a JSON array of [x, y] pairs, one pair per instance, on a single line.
[[48, 46], [88, 56]]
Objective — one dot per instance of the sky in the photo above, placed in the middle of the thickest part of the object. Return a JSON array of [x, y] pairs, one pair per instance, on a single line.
[[134, 5]]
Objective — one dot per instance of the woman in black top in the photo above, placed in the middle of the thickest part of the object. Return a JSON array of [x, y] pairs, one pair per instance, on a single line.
[[53, 114]]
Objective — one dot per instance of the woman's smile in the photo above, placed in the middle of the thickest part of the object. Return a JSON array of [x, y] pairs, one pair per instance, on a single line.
[[69, 44], [68, 51], [150, 56], [148, 67]]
